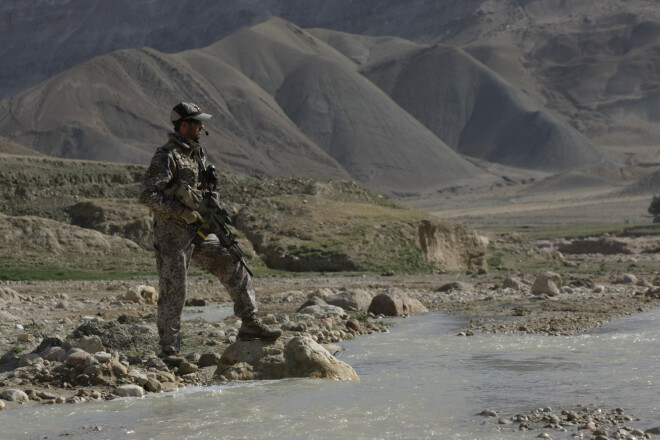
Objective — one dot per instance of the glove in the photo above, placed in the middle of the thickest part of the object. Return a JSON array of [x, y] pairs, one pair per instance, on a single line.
[[190, 216]]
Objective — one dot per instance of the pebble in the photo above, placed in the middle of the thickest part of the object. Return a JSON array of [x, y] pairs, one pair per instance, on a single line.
[[2, 405]]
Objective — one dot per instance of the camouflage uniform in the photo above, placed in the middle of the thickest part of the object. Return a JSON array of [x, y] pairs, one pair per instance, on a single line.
[[183, 160]]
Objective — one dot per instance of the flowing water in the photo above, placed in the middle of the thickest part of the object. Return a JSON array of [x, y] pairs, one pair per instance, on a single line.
[[418, 381]]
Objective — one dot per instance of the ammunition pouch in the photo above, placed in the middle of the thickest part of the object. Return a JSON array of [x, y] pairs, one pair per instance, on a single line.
[[185, 194]]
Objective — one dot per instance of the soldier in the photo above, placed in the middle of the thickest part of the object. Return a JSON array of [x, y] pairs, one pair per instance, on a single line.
[[183, 161]]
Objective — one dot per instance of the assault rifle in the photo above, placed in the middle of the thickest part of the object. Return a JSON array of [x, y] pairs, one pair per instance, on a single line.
[[216, 218]]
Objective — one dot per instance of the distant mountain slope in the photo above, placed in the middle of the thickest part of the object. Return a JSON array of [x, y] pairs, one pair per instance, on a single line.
[[346, 115], [467, 105], [593, 62], [9, 147], [306, 111], [116, 107]]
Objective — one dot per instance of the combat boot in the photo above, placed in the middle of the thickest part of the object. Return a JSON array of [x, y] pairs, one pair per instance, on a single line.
[[253, 328]]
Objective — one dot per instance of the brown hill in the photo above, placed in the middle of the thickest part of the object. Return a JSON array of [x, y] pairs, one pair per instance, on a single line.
[[116, 107], [9, 147], [321, 118], [467, 105]]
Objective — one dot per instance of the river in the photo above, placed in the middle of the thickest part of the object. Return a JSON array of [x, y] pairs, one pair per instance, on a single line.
[[418, 381]]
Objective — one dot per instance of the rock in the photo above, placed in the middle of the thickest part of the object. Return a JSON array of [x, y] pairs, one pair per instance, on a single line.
[[456, 285], [2, 405], [187, 368], [152, 385], [354, 324], [513, 283], [10, 296], [75, 356], [319, 311], [103, 357], [599, 289], [451, 246], [548, 283], [627, 278], [196, 302], [91, 344], [138, 377], [118, 369], [355, 300], [488, 413], [129, 391], [653, 431], [312, 301], [24, 338], [53, 353], [142, 294], [653, 292], [12, 395], [298, 356], [208, 360], [394, 302], [29, 359], [194, 357]]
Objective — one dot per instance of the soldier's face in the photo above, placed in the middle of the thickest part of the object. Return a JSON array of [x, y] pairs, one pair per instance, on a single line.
[[192, 129]]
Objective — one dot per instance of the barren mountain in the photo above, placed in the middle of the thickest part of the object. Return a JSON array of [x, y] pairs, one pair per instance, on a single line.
[[306, 111], [286, 102], [466, 104], [116, 107], [593, 62]]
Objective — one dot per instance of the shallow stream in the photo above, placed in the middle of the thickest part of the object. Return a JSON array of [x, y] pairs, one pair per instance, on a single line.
[[418, 381]]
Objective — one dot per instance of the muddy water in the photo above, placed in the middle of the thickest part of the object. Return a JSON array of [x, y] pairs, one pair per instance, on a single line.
[[418, 381]]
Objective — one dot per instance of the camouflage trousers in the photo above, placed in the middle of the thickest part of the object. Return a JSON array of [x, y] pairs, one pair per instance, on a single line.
[[174, 250]]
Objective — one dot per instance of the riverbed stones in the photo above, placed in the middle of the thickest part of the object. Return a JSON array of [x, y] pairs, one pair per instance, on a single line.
[[129, 391], [91, 344], [10, 296], [208, 360], [187, 368], [513, 283], [297, 356], [142, 294], [2, 405], [548, 283], [75, 356], [395, 302], [13, 395], [357, 300], [30, 359]]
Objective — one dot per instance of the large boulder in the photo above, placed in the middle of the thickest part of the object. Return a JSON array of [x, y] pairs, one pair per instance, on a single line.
[[298, 356], [452, 246], [548, 283], [353, 300], [394, 302]]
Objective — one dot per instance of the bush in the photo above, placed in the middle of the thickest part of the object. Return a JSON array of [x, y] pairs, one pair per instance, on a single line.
[[654, 209]]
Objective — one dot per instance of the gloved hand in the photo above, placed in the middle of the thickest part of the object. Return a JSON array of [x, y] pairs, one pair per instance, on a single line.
[[190, 216]]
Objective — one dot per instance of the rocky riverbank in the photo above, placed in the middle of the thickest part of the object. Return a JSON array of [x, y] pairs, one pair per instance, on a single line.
[[79, 341]]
